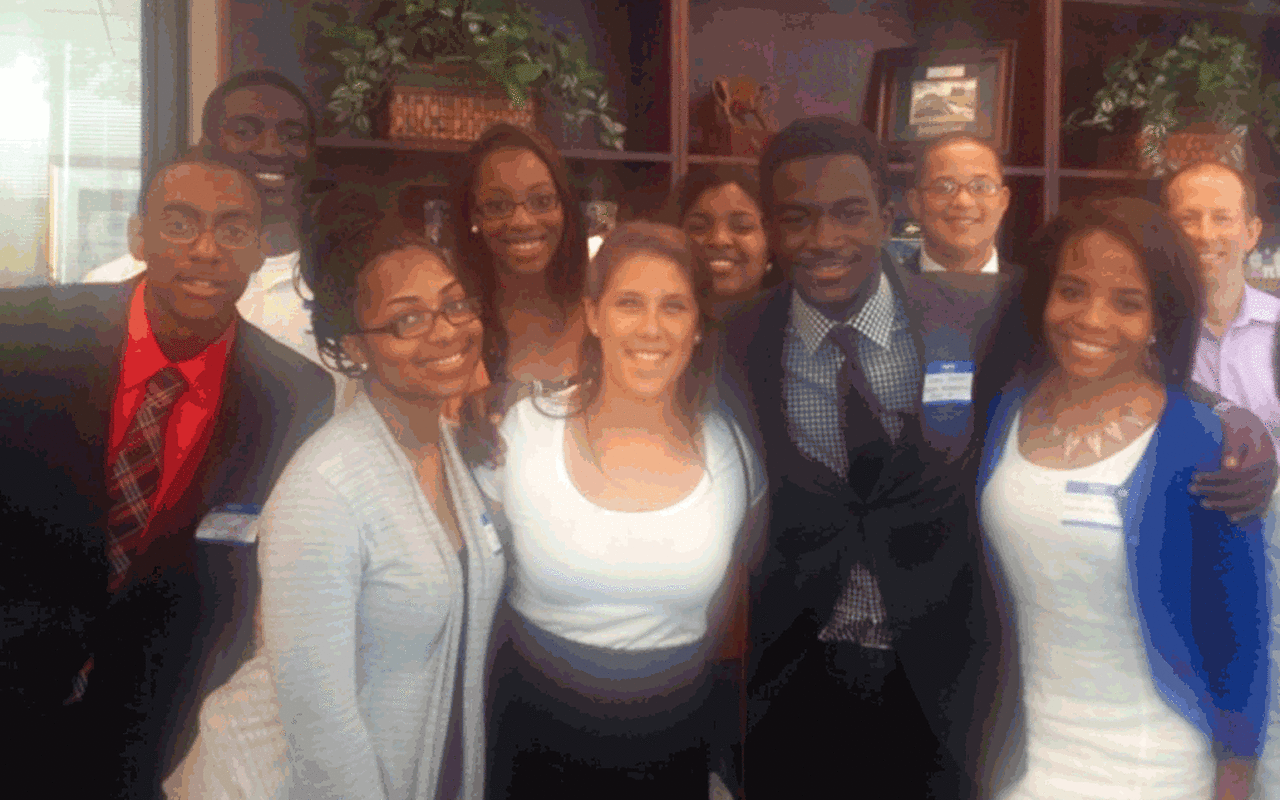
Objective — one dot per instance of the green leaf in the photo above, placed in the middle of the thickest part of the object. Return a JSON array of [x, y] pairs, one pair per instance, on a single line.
[[363, 124], [526, 73], [355, 35], [346, 56]]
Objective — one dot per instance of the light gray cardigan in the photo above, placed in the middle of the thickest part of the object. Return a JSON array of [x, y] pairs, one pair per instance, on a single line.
[[362, 615]]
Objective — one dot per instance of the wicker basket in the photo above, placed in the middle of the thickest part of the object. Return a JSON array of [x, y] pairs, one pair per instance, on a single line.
[[458, 107]]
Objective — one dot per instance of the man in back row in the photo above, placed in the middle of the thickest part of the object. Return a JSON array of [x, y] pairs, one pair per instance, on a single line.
[[260, 123], [131, 415]]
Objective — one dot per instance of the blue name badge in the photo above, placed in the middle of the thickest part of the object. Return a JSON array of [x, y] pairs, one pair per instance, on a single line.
[[233, 523], [1092, 505], [948, 395]]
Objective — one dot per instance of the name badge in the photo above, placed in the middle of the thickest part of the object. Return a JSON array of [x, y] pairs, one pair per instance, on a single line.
[[1093, 505], [234, 523], [947, 382], [491, 534]]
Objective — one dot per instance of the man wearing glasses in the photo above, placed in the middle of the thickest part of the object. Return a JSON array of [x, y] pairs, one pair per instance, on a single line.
[[959, 198], [130, 415]]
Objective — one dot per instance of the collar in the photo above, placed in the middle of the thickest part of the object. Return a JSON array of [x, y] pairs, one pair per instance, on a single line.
[[927, 264], [143, 357], [877, 320], [1256, 306]]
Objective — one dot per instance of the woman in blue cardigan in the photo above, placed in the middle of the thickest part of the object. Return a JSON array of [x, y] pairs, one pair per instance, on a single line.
[[1141, 617]]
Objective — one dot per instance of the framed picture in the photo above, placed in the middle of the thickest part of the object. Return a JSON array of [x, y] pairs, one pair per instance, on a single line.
[[920, 95]]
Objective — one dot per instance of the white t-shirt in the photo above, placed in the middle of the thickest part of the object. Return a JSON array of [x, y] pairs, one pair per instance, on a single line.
[[619, 580]]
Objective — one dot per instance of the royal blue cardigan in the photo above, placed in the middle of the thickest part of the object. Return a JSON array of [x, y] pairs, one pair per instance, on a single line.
[[1200, 585]]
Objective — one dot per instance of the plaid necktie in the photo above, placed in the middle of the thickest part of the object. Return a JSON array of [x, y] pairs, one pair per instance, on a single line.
[[135, 475], [133, 481]]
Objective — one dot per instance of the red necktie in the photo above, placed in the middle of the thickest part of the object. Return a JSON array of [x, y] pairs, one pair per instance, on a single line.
[[135, 475]]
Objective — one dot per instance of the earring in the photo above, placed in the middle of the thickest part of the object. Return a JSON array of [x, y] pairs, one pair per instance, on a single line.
[[697, 338], [475, 228], [1151, 340], [768, 267]]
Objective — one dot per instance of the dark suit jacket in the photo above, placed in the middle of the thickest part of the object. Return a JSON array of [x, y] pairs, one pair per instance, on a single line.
[[60, 350], [915, 527]]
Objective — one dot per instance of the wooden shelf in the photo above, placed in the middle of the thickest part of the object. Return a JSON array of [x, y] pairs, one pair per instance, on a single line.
[[740, 161], [1160, 6], [448, 147], [902, 167], [1105, 174]]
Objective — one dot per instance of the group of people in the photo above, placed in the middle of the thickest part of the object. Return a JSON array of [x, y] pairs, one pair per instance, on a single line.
[[994, 535]]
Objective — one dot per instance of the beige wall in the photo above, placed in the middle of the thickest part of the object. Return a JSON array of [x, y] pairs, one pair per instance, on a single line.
[[209, 60]]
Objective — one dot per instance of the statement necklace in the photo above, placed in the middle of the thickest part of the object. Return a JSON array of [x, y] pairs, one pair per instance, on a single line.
[[1073, 438]]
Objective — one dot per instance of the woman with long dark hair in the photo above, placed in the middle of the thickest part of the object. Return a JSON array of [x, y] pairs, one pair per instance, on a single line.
[[518, 230], [627, 496], [1141, 616]]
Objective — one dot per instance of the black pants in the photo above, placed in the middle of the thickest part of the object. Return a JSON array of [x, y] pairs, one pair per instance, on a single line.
[[846, 723], [549, 741]]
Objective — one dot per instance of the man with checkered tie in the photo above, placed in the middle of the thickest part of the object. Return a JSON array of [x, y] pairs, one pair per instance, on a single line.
[[132, 415], [875, 628]]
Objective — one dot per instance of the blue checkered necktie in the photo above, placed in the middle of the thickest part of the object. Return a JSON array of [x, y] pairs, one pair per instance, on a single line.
[[135, 474]]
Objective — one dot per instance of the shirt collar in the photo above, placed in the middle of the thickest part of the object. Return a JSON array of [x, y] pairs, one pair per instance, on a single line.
[[143, 357], [877, 320], [927, 264], [1257, 306]]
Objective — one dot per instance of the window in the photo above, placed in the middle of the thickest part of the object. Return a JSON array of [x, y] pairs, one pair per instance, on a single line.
[[70, 136]]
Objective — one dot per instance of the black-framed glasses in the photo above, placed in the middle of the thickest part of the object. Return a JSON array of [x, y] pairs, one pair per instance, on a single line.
[[978, 187], [417, 324], [499, 208]]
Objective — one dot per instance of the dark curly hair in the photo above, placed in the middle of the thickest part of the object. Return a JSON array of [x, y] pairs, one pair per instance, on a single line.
[[703, 179], [349, 244], [568, 264], [1161, 249], [671, 244]]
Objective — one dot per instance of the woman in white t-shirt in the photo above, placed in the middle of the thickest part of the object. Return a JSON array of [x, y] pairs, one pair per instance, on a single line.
[[626, 499]]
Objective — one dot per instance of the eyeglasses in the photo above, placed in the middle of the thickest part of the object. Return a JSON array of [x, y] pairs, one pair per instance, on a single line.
[[500, 208], [232, 234], [417, 324], [978, 187]]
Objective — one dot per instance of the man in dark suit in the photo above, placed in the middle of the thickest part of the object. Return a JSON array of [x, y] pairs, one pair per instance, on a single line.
[[136, 419], [875, 629]]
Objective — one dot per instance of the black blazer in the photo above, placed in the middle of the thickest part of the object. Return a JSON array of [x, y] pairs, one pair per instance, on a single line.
[[60, 351], [914, 527]]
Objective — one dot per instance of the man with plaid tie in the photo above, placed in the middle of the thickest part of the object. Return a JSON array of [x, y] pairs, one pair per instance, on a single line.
[[130, 415], [874, 626]]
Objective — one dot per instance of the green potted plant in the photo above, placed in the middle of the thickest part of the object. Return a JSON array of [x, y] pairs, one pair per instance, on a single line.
[[1207, 88], [502, 40]]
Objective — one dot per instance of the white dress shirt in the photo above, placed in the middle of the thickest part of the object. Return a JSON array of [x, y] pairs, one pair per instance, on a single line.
[[927, 264]]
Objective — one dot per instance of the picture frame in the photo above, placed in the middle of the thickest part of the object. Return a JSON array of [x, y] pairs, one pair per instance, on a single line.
[[920, 95]]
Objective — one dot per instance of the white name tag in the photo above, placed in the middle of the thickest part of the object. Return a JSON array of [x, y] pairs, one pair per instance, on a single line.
[[948, 382], [230, 524], [491, 534], [1093, 505]]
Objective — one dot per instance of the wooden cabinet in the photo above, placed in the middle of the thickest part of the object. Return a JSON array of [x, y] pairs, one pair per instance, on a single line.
[[1063, 47]]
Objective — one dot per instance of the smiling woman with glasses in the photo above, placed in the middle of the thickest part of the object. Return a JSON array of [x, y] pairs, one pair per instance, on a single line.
[[380, 569], [519, 230]]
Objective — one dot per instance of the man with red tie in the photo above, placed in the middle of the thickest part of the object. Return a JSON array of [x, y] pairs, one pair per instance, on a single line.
[[138, 421]]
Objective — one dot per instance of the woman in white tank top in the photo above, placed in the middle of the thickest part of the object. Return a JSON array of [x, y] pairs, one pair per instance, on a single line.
[[625, 496]]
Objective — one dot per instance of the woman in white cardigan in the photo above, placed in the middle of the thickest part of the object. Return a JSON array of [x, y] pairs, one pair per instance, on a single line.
[[380, 570]]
